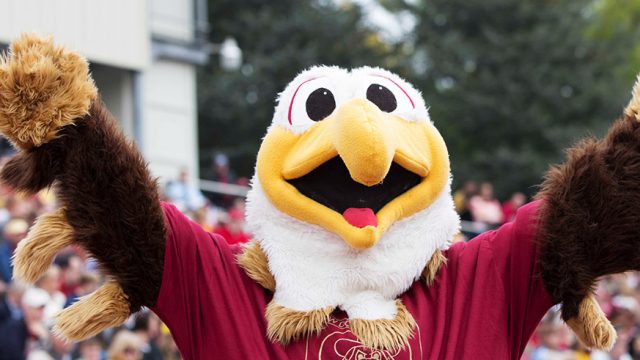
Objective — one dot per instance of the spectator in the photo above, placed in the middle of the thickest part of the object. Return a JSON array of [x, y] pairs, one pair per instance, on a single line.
[[461, 199], [90, 349], [634, 348], [50, 282], [485, 208], [60, 349], [184, 195], [13, 329], [88, 283], [34, 302], [39, 354], [147, 329], [554, 337], [72, 267], [124, 346], [202, 217], [511, 206], [233, 230], [14, 231], [167, 344], [221, 172]]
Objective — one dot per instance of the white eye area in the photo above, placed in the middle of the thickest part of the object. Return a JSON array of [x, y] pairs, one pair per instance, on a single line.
[[312, 101], [389, 96]]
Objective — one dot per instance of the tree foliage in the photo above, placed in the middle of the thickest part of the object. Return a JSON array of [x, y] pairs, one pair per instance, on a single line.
[[512, 83], [509, 83], [278, 40]]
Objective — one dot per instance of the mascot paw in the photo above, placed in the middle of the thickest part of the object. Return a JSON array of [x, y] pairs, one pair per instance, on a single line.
[[33, 256], [385, 334], [286, 325], [592, 326], [104, 308], [42, 89]]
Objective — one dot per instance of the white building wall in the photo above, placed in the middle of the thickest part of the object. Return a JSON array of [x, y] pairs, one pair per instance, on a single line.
[[113, 32], [154, 98], [169, 119], [173, 19], [116, 89]]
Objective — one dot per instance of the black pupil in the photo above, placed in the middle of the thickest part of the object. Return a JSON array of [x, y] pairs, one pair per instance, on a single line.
[[382, 97], [320, 104]]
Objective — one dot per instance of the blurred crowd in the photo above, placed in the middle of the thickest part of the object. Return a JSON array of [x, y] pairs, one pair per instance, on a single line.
[[27, 311], [618, 295], [480, 211], [216, 212]]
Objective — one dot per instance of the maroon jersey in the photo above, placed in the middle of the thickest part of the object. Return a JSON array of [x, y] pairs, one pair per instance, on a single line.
[[484, 304]]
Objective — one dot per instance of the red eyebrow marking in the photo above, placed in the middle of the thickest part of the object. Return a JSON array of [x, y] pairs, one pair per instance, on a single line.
[[294, 97], [400, 87]]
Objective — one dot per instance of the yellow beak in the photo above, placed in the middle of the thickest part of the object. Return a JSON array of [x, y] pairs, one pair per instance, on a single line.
[[368, 141]]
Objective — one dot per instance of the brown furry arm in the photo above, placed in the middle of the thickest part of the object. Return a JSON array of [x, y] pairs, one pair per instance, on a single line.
[[112, 203], [591, 213], [49, 109]]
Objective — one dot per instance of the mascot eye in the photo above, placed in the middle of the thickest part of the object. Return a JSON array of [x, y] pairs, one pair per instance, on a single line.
[[382, 97], [320, 104]]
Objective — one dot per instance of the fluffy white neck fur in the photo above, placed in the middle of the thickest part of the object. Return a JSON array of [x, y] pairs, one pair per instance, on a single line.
[[314, 268]]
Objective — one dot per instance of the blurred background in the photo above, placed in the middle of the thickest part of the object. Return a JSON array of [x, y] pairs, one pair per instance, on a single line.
[[509, 84]]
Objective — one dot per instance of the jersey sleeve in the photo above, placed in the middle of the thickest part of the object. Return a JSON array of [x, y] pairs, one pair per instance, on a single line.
[[515, 253], [204, 294]]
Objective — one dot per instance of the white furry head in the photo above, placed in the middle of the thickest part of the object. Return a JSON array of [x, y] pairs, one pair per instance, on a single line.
[[315, 267]]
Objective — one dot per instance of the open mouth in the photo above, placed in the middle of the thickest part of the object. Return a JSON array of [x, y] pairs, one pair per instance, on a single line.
[[331, 185]]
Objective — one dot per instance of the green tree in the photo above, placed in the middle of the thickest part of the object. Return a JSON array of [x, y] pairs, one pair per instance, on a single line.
[[278, 39], [616, 21], [512, 83]]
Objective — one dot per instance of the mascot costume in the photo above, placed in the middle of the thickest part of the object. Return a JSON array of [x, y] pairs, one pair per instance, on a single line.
[[351, 213]]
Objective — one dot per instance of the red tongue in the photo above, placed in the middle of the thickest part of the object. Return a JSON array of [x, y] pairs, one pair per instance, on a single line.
[[360, 217]]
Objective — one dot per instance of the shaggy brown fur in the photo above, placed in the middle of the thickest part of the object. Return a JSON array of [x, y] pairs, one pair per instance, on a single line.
[[104, 308], [33, 256], [33, 169], [433, 266], [112, 204], [286, 325], [256, 265], [589, 217], [110, 199], [385, 334], [592, 326], [42, 89]]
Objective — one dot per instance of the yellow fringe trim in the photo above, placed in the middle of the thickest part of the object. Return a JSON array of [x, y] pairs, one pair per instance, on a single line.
[[385, 334], [106, 307], [50, 234], [286, 325], [256, 265], [431, 270], [591, 325]]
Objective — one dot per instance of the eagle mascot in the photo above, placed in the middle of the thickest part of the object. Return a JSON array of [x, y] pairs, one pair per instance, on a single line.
[[352, 217]]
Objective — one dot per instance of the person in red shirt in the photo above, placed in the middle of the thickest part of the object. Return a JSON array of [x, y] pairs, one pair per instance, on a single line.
[[349, 170], [511, 206], [233, 230]]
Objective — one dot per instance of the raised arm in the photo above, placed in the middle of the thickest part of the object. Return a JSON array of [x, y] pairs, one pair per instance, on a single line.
[[590, 217], [50, 110]]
